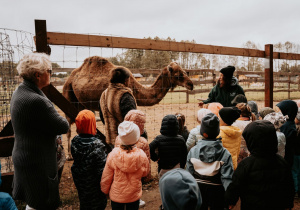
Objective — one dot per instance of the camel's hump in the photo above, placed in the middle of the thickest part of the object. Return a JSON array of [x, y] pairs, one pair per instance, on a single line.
[[96, 65]]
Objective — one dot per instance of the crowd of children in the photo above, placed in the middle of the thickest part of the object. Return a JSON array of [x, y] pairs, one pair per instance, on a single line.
[[235, 156]]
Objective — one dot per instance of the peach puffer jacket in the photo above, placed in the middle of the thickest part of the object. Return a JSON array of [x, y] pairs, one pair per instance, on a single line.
[[142, 143], [231, 139], [122, 174]]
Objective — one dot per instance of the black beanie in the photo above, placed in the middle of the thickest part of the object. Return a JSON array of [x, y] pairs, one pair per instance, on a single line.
[[228, 71], [229, 114], [210, 126]]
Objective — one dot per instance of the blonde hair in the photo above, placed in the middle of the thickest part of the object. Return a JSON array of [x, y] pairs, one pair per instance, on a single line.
[[33, 63], [246, 111]]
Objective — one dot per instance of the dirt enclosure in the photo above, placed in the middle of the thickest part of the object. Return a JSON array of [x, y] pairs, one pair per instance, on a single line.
[[151, 194]]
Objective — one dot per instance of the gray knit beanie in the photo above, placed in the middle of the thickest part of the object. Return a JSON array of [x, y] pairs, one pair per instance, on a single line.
[[210, 126]]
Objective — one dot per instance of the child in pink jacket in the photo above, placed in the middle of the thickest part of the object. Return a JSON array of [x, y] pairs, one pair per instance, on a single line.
[[125, 166]]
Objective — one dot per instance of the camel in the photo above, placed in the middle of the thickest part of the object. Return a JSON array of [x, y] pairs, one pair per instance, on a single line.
[[86, 84]]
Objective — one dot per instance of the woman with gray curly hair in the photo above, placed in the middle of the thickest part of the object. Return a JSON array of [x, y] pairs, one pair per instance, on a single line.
[[36, 124]]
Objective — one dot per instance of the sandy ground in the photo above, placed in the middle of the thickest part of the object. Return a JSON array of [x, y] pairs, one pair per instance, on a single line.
[[151, 190]]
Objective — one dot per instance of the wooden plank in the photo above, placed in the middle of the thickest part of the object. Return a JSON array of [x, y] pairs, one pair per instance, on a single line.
[[199, 91], [7, 130], [286, 73], [203, 82], [7, 179], [286, 90], [286, 56], [249, 72], [254, 90], [56, 97], [55, 38], [6, 146], [63, 69]]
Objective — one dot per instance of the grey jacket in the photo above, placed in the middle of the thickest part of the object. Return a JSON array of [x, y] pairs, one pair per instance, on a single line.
[[36, 124], [209, 151], [193, 138]]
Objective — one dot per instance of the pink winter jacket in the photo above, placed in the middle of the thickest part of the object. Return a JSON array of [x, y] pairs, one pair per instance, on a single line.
[[142, 143], [121, 178]]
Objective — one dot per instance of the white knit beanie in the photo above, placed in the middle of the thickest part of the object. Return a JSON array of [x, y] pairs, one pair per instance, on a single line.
[[202, 113], [129, 133]]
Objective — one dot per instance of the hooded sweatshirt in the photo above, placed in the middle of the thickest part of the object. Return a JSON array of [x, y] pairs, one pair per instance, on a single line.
[[89, 161], [290, 108], [122, 174], [223, 96], [231, 139], [263, 180], [220, 168], [179, 190], [168, 148]]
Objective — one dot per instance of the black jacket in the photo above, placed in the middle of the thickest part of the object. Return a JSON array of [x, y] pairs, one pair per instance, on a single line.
[[224, 97], [168, 148], [263, 180], [290, 108]]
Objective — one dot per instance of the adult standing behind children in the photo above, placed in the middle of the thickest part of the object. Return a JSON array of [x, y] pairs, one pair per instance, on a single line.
[[89, 161], [171, 149], [226, 89], [263, 180], [115, 102], [36, 124], [125, 167], [210, 164]]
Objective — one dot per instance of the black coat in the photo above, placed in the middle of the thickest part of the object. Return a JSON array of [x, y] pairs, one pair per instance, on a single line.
[[168, 148], [263, 180], [289, 107]]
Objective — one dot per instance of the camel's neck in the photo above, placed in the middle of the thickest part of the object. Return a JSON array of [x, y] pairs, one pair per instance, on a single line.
[[148, 96]]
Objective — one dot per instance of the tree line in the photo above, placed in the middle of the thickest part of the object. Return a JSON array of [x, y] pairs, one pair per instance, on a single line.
[[153, 59]]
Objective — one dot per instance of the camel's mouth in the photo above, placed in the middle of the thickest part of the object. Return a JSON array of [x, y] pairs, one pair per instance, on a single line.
[[189, 86]]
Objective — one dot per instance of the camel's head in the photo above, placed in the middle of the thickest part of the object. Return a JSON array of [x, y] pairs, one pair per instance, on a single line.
[[179, 77]]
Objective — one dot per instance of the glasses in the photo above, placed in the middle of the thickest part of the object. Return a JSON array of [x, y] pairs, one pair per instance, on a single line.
[[49, 71]]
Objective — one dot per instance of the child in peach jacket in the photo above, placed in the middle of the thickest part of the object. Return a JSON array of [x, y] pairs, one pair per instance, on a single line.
[[139, 118], [125, 166]]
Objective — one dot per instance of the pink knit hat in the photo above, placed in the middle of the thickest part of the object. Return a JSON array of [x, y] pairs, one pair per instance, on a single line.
[[298, 103], [201, 113], [215, 107], [138, 117]]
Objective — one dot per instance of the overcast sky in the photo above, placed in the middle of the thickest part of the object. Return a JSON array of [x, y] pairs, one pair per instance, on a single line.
[[216, 22]]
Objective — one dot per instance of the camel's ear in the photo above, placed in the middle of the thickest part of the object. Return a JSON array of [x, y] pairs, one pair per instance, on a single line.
[[170, 69]]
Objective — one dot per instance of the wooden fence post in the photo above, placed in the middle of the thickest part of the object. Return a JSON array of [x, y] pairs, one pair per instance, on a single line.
[[41, 36], [269, 75], [289, 86]]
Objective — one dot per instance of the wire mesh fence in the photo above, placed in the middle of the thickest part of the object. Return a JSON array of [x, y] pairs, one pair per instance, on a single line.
[[82, 77], [13, 45]]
